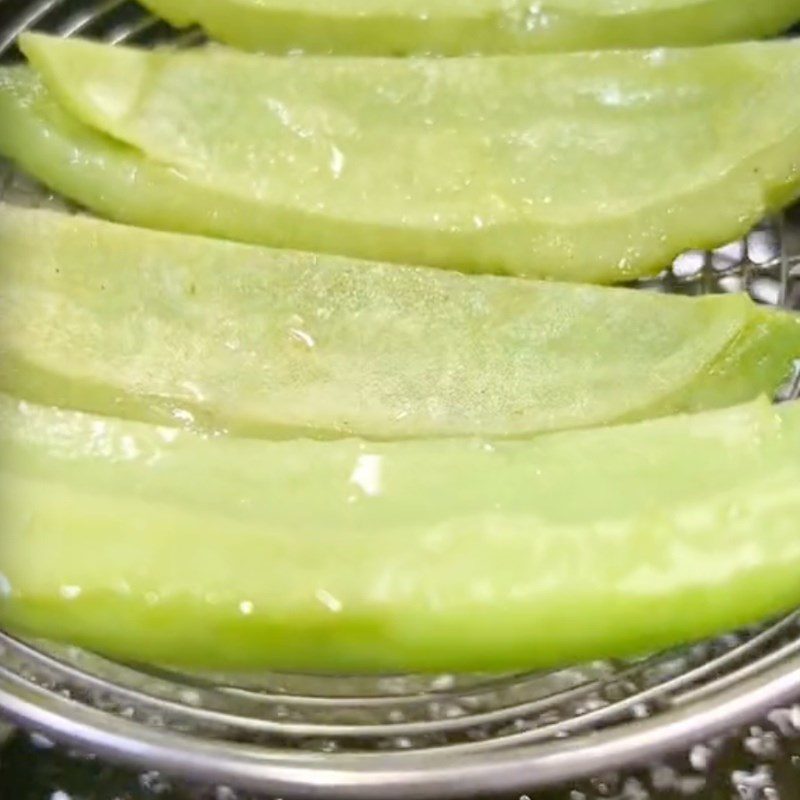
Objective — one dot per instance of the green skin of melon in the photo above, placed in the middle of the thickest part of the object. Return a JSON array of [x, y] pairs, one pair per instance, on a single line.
[[170, 329], [594, 167], [155, 545], [460, 27]]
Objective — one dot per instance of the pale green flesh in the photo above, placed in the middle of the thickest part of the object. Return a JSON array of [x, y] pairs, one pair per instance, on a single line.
[[174, 329], [589, 167], [454, 27], [155, 545]]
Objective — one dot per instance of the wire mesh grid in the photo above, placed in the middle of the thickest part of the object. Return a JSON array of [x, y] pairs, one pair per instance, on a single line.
[[402, 736]]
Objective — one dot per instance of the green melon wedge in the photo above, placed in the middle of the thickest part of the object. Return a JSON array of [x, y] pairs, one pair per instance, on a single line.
[[156, 545], [167, 328], [457, 27], [594, 167]]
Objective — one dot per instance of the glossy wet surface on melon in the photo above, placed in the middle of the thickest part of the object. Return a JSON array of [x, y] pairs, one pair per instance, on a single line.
[[157, 545], [183, 330], [453, 27], [588, 167]]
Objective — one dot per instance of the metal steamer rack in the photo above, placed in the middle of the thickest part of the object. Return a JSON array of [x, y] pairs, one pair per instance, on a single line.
[[307, 736]]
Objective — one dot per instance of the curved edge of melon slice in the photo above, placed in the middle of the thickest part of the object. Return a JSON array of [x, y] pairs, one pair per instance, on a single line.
[[373, 28], [762, 353], [102, 174]]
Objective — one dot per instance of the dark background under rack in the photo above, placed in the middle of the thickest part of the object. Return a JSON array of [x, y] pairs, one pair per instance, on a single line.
[[760, 762]]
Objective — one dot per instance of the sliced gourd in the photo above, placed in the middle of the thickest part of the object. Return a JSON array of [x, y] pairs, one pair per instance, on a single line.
[[594, 167], [457, 27], [167, 327], [156, 545]]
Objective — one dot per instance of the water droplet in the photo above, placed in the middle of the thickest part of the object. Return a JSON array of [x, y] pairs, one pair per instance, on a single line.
[[762, 744], [751, 785], [337, 161], [700, 757], [329, 601], [154, 783], [663, 777], [246, 607], [632, 789], [41, 741], [443, 683], [302, 337], [168, 435], [403, 743], [191, 697], [534, 18], [183, 415], [367, 474], [70, 592]]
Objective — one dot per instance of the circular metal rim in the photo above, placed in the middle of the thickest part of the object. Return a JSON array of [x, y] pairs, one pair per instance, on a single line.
[[400, 776], [672, 688]]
